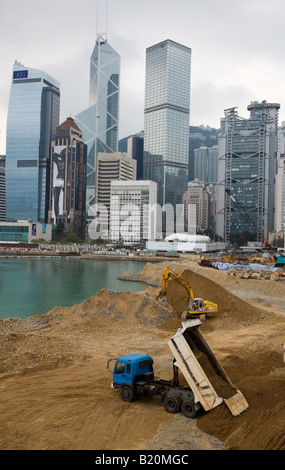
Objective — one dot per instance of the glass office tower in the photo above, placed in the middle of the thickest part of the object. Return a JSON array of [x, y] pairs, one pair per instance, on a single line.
[[99, 122], [33, 116], [166, 123], [247, 168], [206, 164]]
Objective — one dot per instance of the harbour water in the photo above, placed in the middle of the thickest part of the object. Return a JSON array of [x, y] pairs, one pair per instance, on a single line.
[[31, 286]]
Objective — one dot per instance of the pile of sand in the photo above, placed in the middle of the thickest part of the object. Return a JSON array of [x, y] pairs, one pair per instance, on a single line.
[[55, 388], [222, 388]]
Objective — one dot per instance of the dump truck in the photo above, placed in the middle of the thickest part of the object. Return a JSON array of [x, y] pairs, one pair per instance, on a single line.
[[206, 384], [196, 305]]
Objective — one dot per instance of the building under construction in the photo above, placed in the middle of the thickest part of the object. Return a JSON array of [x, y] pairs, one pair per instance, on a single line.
[[246, 170]]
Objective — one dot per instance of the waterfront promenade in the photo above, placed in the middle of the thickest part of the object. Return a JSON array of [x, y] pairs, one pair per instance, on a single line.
[[85, 252]]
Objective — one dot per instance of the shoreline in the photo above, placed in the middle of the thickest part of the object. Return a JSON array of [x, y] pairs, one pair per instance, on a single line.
[[91, 256]]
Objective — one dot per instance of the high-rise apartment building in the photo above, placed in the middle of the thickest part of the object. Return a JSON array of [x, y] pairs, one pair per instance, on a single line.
[[67, 195], [246, 171], [99, 122], [33, 116], [111, 167], [166, 123]]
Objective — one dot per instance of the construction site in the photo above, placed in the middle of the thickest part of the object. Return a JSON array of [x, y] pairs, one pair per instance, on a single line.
[[56, 390]]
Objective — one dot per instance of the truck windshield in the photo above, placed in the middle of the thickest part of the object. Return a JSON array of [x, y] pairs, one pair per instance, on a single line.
[[120, 368]]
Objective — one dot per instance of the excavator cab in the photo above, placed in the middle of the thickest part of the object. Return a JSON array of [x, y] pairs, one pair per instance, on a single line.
[[197, 306]]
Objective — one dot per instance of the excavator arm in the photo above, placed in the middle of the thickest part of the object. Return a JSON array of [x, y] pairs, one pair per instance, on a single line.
[[167, 273]]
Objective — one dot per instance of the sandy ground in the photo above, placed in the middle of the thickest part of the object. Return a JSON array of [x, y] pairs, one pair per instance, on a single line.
[[55, 387]]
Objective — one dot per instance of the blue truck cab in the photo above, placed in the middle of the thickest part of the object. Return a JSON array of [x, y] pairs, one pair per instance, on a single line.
[[131, 368]]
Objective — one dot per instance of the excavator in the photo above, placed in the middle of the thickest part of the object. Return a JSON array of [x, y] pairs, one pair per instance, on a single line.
[[196, 306]]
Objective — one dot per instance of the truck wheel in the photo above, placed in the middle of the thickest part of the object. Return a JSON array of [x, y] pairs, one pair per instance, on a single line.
[[172, 403], [127, 393], [188, 409]]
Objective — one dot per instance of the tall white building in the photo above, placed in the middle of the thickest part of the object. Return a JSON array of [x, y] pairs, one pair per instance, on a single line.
[[133, 210], [280, 195]]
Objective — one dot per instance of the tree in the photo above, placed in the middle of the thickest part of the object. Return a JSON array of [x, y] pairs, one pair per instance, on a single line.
[[59, 230], [241, 239]]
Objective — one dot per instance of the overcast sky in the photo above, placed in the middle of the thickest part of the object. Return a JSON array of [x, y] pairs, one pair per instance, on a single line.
[[238, 52]]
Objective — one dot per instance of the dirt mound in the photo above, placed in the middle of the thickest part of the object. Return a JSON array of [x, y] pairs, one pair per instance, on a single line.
[[222, 388], [231, 309], [57, 338], [261, 378]]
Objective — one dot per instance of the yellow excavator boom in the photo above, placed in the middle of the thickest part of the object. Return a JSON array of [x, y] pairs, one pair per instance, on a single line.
[[171, 274]]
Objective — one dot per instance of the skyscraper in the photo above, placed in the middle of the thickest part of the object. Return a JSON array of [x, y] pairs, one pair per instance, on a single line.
[[166, 123], [206, 164], [68, 178], [135, 150], [33, 116], [246, 171], [99, 122], [111, 167]]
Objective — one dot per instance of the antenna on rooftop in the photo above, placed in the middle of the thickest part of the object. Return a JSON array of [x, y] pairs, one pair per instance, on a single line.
[[97, 22], [106, 18], [102, 34]]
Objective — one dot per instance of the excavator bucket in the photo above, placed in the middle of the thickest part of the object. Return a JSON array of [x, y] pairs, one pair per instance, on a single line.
[[163, 301]]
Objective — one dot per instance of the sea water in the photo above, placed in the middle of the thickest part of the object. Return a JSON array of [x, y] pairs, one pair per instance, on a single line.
[[30, 286]]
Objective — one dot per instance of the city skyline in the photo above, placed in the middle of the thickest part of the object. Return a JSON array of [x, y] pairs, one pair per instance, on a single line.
[[236, 53]]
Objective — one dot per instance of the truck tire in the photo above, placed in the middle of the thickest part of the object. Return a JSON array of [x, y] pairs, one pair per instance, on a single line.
[[172, 403], [127, 393], [188, 409]]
